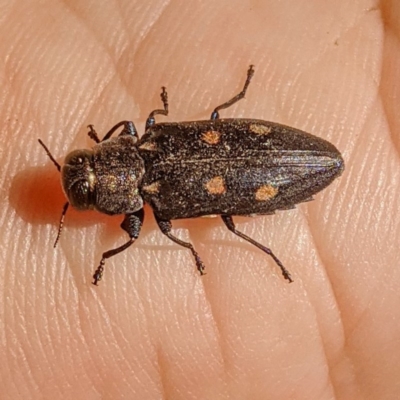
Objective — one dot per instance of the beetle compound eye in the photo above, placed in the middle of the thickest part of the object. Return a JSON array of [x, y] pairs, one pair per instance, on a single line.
[[80, 196], [78, 179]]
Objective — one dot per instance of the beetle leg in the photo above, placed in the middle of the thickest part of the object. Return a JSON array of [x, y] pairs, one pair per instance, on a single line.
[[165, 227], [93, 134], [129, 129], [231, 226], [131, 224], [164, 98], [233, 100]]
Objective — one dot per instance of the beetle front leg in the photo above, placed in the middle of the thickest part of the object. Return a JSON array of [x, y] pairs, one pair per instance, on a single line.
[[165, 227], [131, 224], [129, 129], [231, 226]]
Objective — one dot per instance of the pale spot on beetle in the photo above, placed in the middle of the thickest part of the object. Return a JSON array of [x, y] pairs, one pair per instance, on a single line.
[[148, 146], [259, 129], [211, 137], [216, 185], [266, 192], [153, 188]]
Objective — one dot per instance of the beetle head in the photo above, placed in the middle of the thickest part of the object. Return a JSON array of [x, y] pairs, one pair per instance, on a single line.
[[79, 180]]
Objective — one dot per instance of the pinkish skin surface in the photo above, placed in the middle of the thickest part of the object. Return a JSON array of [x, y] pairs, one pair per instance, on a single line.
[[154, 329]]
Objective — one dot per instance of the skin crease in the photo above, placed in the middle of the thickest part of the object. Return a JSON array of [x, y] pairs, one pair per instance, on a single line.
[[154, 329]]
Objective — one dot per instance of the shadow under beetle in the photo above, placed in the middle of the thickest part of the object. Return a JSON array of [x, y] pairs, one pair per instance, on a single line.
[[191, 169]]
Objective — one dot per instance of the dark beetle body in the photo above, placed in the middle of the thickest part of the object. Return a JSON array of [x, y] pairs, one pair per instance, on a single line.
[[222, 167], [247, 154]]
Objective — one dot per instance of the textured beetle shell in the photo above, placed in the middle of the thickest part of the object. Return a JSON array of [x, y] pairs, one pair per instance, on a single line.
[[232, 167], [118, 170]]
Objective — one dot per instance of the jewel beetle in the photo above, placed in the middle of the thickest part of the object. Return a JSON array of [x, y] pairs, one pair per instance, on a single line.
[[221, 166]]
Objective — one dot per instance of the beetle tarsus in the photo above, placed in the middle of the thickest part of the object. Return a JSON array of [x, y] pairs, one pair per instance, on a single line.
[[285, 272], [199, 264], [164, 98], [98, 275], [93, 134]]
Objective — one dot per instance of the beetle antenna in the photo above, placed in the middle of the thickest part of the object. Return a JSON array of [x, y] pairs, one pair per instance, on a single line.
[[65, 208], [50, 156], [61, 224]]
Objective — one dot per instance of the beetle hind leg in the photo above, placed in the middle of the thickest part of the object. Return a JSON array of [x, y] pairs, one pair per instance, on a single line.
[[228, 221], [165, 227]]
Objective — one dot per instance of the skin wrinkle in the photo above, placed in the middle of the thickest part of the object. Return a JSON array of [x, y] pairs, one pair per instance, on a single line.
[[93, 365], [162, 374], [323, 344], [381, 90], [345, 355], [321, 259], [118, 72], [87, 28], [218, 333], [155, 348], [142, 43]]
